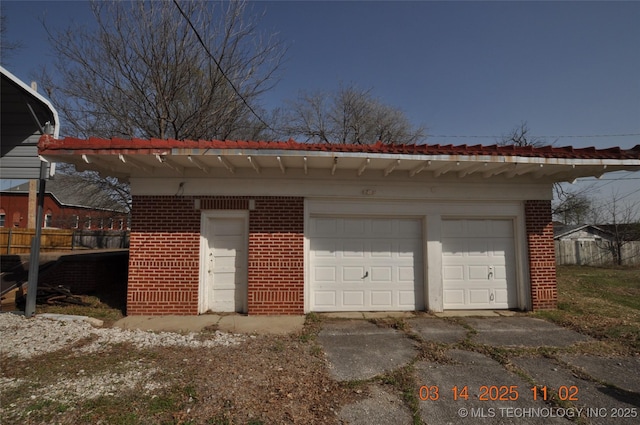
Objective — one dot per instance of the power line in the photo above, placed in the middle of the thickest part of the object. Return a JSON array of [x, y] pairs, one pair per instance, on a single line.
[[565, 136], [206, 49]]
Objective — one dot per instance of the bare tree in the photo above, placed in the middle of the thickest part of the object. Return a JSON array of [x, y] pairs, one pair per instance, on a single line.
[[7, 47], [349, 115], [571, 207], [189, 70], [520, 136], [622, 220]]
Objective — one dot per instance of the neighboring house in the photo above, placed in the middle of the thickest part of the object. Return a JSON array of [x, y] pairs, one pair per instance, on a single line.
[[24, 116], [598, 245], [289, 228], [581, 232], [63, 209]]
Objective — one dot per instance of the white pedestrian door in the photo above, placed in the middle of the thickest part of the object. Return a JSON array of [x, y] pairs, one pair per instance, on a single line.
[[478, 264], [226, 265]]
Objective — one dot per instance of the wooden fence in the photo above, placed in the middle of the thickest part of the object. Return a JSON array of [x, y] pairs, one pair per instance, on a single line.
[[18, 240], [595, 253]]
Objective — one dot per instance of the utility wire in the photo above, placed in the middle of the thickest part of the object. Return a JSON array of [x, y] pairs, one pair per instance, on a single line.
[[547, 137], [224, 74]]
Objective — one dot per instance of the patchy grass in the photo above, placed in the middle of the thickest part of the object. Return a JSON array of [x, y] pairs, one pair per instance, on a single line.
[[96, 308], [603, 303]]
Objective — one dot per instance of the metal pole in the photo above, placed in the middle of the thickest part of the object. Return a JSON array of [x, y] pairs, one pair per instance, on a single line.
[[34, 258]]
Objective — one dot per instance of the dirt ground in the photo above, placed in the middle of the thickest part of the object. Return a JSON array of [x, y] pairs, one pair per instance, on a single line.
[[264, 380]]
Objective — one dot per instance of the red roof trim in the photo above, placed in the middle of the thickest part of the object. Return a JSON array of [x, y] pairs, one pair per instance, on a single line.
[[48, 144]]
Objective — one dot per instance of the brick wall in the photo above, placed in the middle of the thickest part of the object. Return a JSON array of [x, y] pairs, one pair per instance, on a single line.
[[165, 243], [164, 254], [276, 256], [542, 261]]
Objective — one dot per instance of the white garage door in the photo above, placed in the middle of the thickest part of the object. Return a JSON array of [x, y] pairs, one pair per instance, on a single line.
[[478, 262], [365, 264]]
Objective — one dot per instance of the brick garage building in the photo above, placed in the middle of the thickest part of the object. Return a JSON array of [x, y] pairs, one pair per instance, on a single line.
[[289, 228]]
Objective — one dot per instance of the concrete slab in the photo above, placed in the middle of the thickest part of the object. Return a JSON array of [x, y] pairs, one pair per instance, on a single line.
[[437, 330], [231, 323], [467, 313], [388, 314], [522, 332], [168, 323], [342, 315], [597, 401], [359, 350], [381, 408], [474, 372], [263, 325], [623, 372], [72, 318]]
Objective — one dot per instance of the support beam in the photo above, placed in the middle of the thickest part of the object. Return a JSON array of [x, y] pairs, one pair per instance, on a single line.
[[282, 168], [443, 170], [363, 166], [254, 164], [391, 167], [521, 169], [471, 169], [198, 164], [224, 161], [163, 159], [494, 171], [419, 168], [128, 160]]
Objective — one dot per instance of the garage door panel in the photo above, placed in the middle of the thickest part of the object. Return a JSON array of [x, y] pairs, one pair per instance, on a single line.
[[477, 248], [502, 296], [454, 296], [383, 249], [452, 228], [324, 226], [381, 298], [367, 264], [479, 296], [406, 274], [324, 274], [453, 272], [381, 228], [407, 299], [324, 298], [408, 248], [381, 274], [500, 272], [409, 228], [353, 227], [502, 227], [478, 272], [353, 298], [352, 274]]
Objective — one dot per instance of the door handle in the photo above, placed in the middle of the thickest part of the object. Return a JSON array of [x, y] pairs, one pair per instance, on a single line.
[[490, 272], [365, 275]]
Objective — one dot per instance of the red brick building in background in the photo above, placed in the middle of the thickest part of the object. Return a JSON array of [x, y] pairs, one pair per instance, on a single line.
[[62, 210]]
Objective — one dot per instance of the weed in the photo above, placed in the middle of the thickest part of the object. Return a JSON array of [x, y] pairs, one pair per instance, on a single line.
[[162, 404], [404, 381]]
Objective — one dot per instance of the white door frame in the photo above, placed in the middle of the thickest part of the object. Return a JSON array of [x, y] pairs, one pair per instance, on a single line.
[[204, 232]]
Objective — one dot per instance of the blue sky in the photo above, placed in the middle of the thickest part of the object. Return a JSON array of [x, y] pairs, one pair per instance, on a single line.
[[459, 68]]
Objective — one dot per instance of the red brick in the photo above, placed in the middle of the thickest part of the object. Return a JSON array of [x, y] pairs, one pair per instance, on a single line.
[[542, 266]]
